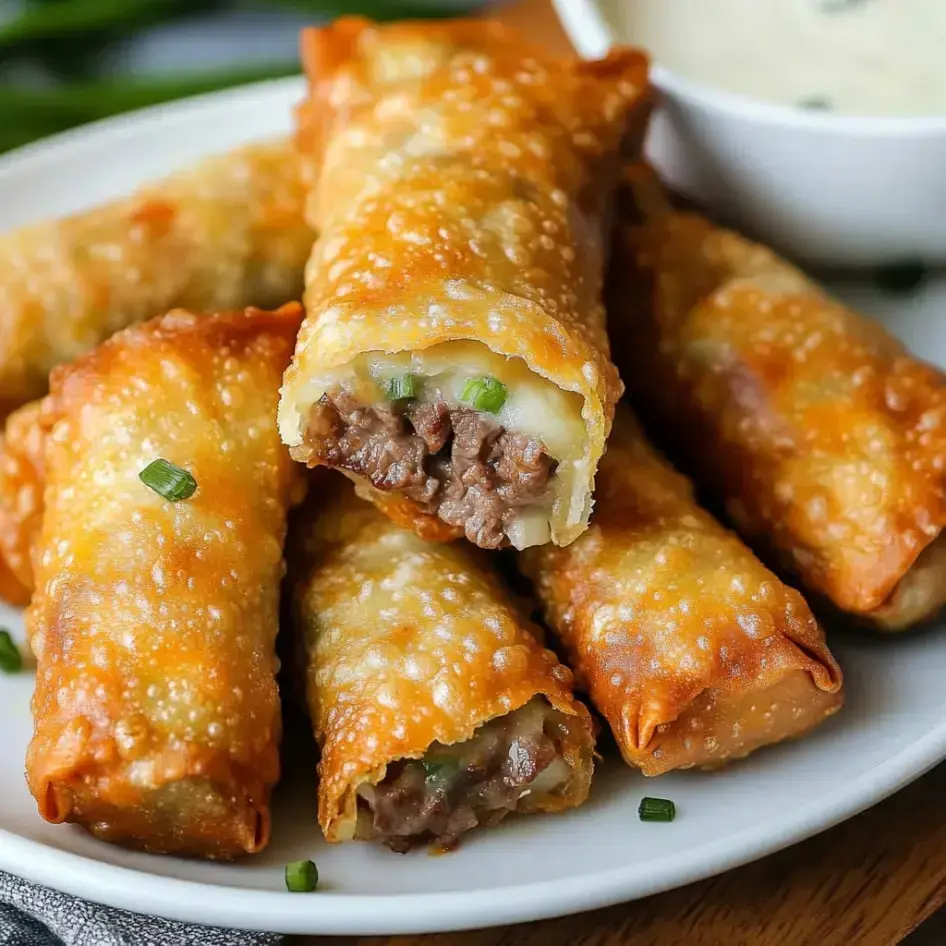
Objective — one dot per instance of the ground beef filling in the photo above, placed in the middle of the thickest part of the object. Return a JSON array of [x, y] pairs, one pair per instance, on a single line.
[[458, 464], [456, 788]]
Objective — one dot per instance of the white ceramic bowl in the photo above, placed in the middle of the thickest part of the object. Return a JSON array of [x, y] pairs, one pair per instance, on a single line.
[[830, 189]]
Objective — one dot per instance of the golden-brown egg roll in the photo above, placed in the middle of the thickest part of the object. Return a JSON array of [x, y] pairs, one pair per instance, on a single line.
[[824, 437], [225, 233], [156, 712], [454, 351], [435, 707], [691, 649]]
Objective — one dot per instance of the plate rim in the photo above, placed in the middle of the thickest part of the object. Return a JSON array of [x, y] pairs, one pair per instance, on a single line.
[[340, 914], [337, 913]]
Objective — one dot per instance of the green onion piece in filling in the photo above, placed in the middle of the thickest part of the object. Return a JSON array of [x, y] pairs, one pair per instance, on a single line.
[[168, 480], [401, 388], [657, 809], [440, 768], [11, 660], [301, 876], [485, 394]]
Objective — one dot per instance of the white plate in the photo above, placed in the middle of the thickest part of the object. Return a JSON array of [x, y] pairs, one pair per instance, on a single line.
[[892, 729]]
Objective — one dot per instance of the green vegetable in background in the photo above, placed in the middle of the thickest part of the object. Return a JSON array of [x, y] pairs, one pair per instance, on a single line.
[[54, 108], [57, 20], [68, 38]]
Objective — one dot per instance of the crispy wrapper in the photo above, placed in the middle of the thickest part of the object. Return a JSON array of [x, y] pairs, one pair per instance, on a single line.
[[22, 481], [407, 644], [464, 184], [691, 649], [824, 437], [156, 712], [225, 233]]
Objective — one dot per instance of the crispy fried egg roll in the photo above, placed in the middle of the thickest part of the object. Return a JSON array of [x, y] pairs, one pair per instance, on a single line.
[[454, 349], [691, 649], [823, 435], [156, 712], [22, 481], [225, 233], [435, 707]]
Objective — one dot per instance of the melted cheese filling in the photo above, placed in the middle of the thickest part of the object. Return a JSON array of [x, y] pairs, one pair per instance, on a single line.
[[533, 406]]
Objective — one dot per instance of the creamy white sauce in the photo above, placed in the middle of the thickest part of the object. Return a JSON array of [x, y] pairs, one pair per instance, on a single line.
[[856, 57]]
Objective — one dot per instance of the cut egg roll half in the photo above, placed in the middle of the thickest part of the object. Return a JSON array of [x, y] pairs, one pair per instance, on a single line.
[[436, 709], [454, 355]]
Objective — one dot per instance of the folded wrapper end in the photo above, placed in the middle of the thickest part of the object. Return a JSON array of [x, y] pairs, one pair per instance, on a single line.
[[259, 830], [718, 727], [54, 802]]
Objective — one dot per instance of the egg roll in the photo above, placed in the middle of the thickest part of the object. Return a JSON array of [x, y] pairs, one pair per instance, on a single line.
[[454, 350], [821, 434], [156, 711], [435, 707], [689, 647], [225, 233]]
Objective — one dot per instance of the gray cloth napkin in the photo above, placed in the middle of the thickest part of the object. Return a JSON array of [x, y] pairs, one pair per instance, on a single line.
[[31, 915]]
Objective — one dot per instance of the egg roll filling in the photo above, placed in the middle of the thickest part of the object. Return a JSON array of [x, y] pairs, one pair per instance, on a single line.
[[509, 764], [476, 439]]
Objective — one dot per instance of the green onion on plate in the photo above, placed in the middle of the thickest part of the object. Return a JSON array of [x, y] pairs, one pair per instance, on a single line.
[[11, 660], [657, 809], [301, 876]]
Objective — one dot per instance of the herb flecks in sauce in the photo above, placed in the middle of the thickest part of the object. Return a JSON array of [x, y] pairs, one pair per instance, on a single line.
[[840, 6], [816, 103]]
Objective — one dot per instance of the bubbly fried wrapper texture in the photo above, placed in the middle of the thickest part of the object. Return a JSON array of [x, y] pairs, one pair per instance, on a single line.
[[226, 232], [156, 712], [824, 437], [463, 187], [691, 649], [407, 643]]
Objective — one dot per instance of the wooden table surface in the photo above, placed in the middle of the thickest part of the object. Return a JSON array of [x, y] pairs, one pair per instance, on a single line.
[[869, 881]]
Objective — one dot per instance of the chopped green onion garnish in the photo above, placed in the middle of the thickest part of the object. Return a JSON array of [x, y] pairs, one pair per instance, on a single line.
[[11, 660], [657, 809], [485, 394], [401, 388], [168, 480], [301, 876]]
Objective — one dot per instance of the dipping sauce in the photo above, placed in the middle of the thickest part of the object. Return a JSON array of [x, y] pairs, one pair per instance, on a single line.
[[856, 57]]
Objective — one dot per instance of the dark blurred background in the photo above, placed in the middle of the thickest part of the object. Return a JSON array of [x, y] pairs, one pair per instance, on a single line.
[[67, 62]]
